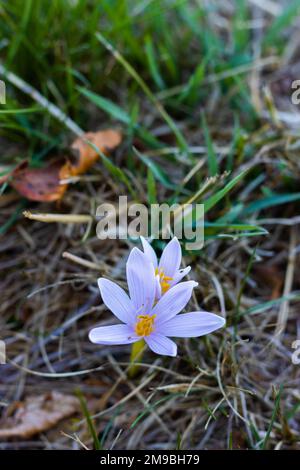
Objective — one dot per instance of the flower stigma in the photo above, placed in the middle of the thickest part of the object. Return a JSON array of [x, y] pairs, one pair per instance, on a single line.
[[144, 325]]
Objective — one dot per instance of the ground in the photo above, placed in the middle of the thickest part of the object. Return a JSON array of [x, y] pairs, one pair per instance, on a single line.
[[202, 93]]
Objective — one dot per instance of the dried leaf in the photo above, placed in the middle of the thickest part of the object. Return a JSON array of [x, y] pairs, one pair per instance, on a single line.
[[44, 184], [40, 184], [86, 155], [9, 172], [38, 414]]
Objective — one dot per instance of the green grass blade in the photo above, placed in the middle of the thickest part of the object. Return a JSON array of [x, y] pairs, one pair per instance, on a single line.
[[274, 415], [151, 187], [34, 109], [152, 62], [106, 105], [157, 171], [89, 420], [215, 198], [180, 139], [116, 112], [264, 306], [211, 155], [271, 201], [281, 22]]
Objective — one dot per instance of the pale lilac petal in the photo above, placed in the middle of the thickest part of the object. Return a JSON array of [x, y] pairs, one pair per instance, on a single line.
[[158, 288], [114, 334], [189, 325], [161, 344], [171, 258], [173, 301], [116, 299], [149, 252], [141, 281], [181, 273]]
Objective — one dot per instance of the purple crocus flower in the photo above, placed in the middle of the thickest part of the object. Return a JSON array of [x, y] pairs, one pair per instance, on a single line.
[[167, 270], [143, 318]]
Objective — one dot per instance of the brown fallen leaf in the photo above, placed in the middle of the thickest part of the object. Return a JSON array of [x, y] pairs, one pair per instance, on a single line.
[[40, 184], [86, 155], [44, 184], [37, 414], [8, 173]]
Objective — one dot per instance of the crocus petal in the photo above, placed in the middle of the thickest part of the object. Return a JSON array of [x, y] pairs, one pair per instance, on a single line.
[[149, 252], [171, 258], [161, 344], [114, 334], [141, 281], [158, 288], [189, 325], [180, 275], [116, 299], [173, 301]]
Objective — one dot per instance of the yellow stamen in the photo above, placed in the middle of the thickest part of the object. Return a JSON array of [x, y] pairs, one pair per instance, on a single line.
[[164, 280], [144, 325]]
